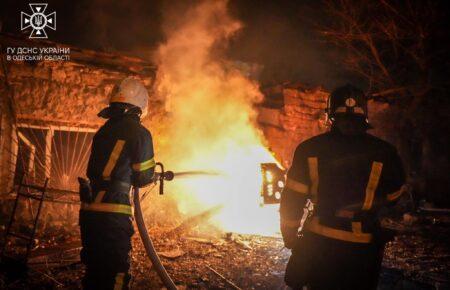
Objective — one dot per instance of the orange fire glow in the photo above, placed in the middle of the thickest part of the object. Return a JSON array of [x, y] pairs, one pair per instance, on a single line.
[[212, 122]]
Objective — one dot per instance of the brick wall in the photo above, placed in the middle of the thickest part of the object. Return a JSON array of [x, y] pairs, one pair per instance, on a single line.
[[66, 94], [301, 116]]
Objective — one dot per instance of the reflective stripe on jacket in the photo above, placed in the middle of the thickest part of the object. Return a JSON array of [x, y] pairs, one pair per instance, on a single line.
[[348, 178], [122, 152]]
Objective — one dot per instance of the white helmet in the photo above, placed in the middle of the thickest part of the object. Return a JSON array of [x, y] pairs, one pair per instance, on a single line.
[[131, 91]]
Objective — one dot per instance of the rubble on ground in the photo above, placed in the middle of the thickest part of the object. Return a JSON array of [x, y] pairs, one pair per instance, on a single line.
[[418, 258]]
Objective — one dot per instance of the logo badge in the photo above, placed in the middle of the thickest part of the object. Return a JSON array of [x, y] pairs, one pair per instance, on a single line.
[[350, 102], [38, 20]]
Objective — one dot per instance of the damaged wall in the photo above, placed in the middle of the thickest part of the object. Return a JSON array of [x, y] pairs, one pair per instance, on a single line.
[[69, 94], [57, 95], [301, 116], [295, 113]]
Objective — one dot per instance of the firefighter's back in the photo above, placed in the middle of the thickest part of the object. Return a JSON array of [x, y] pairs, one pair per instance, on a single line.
[[106, 222], [121, 157], [356, 174], [348, 175], [115, 135]]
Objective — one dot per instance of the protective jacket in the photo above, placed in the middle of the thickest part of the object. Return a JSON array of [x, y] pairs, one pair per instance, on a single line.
[[121, 156], [348, 178]]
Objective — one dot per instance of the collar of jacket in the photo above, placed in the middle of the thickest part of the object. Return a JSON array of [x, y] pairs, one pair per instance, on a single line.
[[133, 117], [336, 132]]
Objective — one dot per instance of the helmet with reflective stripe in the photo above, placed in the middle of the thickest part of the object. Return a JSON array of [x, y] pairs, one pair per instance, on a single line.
[[347, 99], [131, 91]]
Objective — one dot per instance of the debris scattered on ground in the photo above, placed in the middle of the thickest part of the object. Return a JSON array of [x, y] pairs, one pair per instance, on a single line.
[[418, 258], [172, 254]]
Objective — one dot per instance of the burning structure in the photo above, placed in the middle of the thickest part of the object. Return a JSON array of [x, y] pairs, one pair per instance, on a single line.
[[209, 105], [208, 115], [56, 126]]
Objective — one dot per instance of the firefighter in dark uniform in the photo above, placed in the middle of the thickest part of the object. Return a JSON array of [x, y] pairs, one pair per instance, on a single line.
[[348, 175], [121, 157]]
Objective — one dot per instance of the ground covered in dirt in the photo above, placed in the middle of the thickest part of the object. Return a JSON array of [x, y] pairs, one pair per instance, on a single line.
[[418, 258]]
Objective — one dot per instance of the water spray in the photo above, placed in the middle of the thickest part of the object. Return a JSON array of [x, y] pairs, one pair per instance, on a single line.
[[273, 183], [194, 173]]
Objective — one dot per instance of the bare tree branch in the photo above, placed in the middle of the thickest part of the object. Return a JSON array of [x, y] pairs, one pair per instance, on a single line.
[[383, 41]]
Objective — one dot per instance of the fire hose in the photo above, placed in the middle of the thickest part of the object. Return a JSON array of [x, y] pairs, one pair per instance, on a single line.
[[148, 244], [146, 240]]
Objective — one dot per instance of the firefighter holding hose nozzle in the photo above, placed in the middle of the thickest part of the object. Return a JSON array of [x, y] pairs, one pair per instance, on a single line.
[[348, 175], [121, 157]]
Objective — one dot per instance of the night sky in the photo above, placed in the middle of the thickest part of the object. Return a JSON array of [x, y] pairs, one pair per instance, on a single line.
[[279, 35]]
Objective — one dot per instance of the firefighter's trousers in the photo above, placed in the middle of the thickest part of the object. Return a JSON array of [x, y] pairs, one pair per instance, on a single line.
[[106, 241], [323, 263]]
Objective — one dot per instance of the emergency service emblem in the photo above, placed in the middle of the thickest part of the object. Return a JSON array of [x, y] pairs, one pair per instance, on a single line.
[[38, 20], [350, 102]]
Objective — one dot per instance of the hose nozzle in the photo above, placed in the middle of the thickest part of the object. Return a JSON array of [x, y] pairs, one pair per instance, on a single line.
[[168, 175], [163, 175]]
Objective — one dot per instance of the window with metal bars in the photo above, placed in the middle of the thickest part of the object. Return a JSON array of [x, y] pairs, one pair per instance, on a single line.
[[58, 152]]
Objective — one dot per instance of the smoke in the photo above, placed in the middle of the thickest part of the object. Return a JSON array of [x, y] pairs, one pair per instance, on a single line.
[[212, 119], [206, 97], [283, 36]]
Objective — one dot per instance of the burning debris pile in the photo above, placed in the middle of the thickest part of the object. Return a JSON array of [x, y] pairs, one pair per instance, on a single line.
[[212, 123], [204, 119], [206, 115]]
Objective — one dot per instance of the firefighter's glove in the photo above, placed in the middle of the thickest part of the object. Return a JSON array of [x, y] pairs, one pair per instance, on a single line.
[[85, 190]]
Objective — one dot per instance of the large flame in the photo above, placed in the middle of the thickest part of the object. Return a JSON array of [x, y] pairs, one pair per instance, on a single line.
[[212, 124]]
